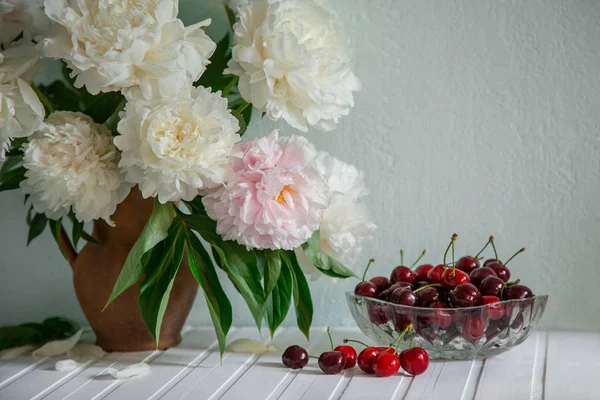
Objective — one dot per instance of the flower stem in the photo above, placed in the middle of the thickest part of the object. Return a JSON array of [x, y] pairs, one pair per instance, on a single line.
[[418, 259], [229, 86]]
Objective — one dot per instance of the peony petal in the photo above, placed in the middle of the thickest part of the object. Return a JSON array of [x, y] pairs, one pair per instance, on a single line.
[[16, 352], [66, 365], [130, 371], [58, 347]]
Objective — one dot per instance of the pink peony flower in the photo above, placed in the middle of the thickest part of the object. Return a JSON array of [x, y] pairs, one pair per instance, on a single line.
[[276, 197]]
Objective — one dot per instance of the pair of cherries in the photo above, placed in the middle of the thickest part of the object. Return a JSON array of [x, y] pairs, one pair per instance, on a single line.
[[381, 361], [386, 361]]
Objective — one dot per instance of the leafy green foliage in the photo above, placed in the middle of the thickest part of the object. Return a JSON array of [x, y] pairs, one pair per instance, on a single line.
[[155, 231], [213, 76], [204, 271], [55, 328], [301, 292], [104, 106], [279, 300], [11, 178], [161, 267], [36, 227], [324, 263]]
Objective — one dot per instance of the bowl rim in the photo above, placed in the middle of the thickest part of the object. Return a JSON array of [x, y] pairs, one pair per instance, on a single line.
[[538, 296]]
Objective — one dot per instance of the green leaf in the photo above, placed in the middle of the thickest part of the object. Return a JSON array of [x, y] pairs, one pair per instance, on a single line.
[[278, 303], [302, 297], [196, 206], [77, 231], [12, 179], [218, 304], [241, 265], [88, 238], [15, 336], [55, 229], [324, 263], [155, 231], [36, 227], [230, 15], [103, 106], [213, 76], [34, 333], [60, 327], [272, 270], [161, 269], [11, 163]]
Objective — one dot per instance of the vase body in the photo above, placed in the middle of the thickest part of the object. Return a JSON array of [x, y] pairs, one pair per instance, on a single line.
[[120, 326]]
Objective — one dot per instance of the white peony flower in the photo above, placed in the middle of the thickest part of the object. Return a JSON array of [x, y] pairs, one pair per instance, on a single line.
[[346, 224], [21, 111], [25, 17], [175, 148], [293, 62], [72, 162], [114, 45]]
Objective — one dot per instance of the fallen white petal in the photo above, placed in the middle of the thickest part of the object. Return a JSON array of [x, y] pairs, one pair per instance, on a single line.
[[84, 352], [15, 352], [130, 371], [58, 347], [66, 365], [249, 346]]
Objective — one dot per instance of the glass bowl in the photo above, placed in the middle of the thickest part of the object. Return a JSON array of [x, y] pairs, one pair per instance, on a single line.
[[450, 333]]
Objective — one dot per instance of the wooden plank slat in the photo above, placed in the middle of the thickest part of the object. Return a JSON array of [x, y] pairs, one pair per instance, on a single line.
[[11, 370], [572, 366], [168, 368], [213, 375]]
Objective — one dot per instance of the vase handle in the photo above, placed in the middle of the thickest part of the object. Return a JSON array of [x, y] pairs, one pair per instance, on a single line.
[[67, 248]]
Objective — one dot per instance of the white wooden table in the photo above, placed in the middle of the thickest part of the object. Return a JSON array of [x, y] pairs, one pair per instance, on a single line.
[[555, 365]]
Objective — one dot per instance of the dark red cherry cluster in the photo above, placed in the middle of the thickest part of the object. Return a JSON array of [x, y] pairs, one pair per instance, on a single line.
[[381, 361], [464, 283]]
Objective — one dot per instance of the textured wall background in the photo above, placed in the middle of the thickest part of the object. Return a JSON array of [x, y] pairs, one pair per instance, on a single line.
[[477, 116]]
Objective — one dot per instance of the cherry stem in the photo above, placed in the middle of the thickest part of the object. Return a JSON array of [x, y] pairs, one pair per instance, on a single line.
[[356, 341], [313, 357], [506, 284], [453, 262], [411, 339], [394, 345], [484, 247], [418, 259], [448, 248], [330, 339], [401, 257], [371, 261], [426, 286], [514, 255], [494, 247]]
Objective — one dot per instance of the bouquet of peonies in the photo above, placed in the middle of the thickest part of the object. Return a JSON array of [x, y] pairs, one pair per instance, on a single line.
[[147, 101]]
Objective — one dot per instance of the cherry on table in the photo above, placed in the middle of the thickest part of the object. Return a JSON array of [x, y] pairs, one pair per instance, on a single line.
[[349, 354], [332, 362], [467, 264], [295, 357], [465, 295], [365, 359], [480, 274], [386, 364], [414, 361], [491, 286]]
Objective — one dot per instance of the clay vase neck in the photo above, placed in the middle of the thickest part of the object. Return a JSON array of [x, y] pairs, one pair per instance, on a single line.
[[96, 268]]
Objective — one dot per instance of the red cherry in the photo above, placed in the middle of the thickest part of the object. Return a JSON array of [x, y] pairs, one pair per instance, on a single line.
[[422, 270], [480, 274], [377, 313], [332, 362], [454, 277], [435, 275], [467, 264], [516, 292], [465, 295], [381, 282], [490, 260], [365, 359], [366, 289], [402, 274], [386, 294], [295, 357], [349, 354], [473, 327], [441, 318], [427, 296], [501, 271], [403, 296], [414, 361], [386, 364], [491, 286], [494, 307]]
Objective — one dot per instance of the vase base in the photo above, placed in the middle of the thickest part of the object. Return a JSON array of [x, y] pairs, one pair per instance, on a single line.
[[111, 346]]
